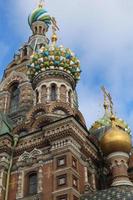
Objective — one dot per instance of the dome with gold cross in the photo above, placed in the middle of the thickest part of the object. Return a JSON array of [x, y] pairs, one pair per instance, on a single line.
[[115, 139], [54, 57], [103, 124], [39, 14]]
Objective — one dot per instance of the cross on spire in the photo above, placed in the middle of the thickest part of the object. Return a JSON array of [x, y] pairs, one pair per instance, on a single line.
[[108, 102], [41, 3]]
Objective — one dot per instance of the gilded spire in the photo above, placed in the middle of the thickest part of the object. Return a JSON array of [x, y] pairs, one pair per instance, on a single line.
[[55, 28]]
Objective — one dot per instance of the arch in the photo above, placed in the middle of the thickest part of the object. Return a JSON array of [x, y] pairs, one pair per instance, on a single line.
[[41, 122], [53, 92], [21, 130], [61, 106], [63, 91], [39, 110], [14, 77], [14, 97]]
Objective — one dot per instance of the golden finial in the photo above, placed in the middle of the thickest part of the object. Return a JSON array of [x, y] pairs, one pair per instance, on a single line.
[[41, 4], [55, 27]]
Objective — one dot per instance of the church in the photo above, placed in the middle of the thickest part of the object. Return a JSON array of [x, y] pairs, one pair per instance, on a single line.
[[46, 150]]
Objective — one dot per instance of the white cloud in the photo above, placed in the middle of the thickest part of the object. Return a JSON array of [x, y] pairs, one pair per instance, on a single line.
[[101, 31]]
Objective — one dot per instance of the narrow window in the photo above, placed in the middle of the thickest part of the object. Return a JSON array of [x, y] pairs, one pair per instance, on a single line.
[[37, 96], [53, 92], [32, 184], [70, 96], [14, 101]]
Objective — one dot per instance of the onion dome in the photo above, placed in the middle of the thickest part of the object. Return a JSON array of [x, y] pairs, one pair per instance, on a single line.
[[39, 14], [57, 58], [115, 139], [113, 193]]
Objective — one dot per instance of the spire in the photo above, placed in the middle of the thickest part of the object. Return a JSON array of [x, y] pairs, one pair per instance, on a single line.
[[55, 28], [106, 101]]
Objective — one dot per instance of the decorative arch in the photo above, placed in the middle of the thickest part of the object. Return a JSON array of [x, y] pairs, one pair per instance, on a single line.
[[14, 77], [21, 129], [61, 106], [41, 122], [39, 110]]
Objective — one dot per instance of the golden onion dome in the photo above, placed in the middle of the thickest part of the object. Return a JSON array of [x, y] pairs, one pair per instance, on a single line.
[[115, 139]]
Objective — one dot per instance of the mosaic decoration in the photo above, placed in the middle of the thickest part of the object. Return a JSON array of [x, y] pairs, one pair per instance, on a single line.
[[105, 121], [52, 57], [39, 14]]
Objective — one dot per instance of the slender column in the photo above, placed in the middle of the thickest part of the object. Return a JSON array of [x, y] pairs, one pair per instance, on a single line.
[[20, 185], [40, 180], [93, 181], [48, 93], [67, 97], [40, 93], [58, 93]]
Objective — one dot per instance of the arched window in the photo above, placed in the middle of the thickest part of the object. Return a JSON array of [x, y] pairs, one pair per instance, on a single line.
[[53, 92], [37, 96], [32, 183], [70, 96], [14, 100], [25, 51]]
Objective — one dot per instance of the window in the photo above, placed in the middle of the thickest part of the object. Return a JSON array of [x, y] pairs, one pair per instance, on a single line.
[[37, 96], [75, 182], [32, 183], [14, 101], [53, 92], [62, 197], [74, 163], [61, 161], [70, 96], [61, 180]]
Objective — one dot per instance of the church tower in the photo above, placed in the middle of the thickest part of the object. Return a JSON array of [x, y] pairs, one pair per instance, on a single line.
[[45, 150]]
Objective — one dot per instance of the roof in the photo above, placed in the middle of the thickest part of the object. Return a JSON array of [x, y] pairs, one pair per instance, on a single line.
[[5, 124], [113, 193]]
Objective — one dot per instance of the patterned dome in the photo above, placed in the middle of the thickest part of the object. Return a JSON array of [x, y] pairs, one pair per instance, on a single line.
[[113, 193], [106, 122], [39, 14], [53, 57]]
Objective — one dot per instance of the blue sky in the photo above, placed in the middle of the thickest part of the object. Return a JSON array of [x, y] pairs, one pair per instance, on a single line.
[[100, 32]]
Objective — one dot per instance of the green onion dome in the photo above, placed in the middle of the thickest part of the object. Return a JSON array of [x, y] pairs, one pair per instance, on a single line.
[[39, 14], [53, 57]]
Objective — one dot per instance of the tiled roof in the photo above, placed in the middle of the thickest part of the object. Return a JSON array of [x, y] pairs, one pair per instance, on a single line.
[[113, 193]]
